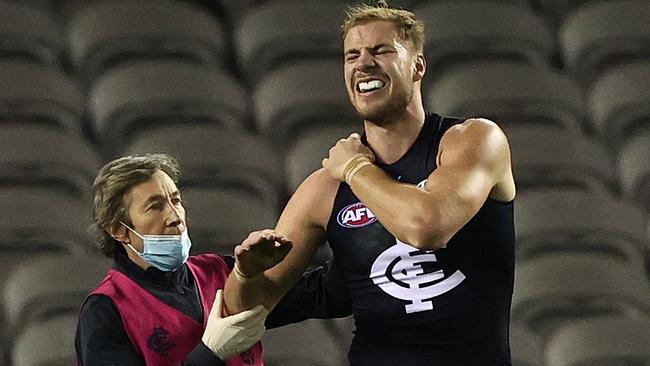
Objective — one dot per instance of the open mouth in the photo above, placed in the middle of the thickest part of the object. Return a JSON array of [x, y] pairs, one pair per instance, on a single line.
[[369, 86]]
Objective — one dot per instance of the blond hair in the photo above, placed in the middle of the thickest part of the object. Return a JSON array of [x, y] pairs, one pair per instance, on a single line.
[[410, 28]]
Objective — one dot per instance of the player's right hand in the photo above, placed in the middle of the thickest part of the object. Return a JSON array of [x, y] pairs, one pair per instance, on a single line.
[[260, 251]]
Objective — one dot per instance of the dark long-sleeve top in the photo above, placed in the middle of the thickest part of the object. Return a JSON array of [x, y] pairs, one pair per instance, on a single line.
[[101, 338]]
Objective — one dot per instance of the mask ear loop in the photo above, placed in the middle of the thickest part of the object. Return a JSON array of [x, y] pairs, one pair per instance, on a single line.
[[136, 233]]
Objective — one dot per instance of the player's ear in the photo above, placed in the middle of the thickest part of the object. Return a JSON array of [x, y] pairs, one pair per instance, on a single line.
[[420, 67]]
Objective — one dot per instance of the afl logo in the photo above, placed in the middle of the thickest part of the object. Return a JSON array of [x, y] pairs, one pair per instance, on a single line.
[[355, 215]]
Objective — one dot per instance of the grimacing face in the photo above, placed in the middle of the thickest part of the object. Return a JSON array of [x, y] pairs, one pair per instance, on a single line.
[[155, 208], [380, 71]]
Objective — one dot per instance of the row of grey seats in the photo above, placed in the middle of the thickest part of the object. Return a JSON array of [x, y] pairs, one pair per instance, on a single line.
[[100, 34]]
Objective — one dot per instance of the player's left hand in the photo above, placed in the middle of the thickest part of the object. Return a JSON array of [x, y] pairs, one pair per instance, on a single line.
[[260, 251], [343, 153]]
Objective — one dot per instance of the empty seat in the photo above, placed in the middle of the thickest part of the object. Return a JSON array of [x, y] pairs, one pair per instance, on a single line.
[[109, 33], [504, 92], [277, 32], [601, 34], [220, 218], [35, 93], [462, 31], [550, 157], [49, 158], [298, 95], [572, 221], [30, 34], [50, 343], [619, 102], [556, 288], [634, 170], [525, 346], [211, 156], [308, 343], [143, 95], [40, 219], [311, 146], [47, 286], [601, 341]]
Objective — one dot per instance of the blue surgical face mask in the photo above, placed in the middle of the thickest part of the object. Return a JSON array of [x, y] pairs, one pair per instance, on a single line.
[[165, 252]]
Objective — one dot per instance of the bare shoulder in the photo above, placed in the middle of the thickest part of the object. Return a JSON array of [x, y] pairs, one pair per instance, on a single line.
[[479, 143], [476, 138], [314, 198]]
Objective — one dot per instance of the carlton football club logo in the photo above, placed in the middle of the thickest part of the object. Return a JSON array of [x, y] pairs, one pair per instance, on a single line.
[[399, 272], [355, 215]]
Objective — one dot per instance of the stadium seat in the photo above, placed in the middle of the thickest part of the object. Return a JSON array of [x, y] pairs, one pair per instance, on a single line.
[[550, 157], [33, 93], [47, 286], [466, 31], [49, 343], [276, 32], [634, 170], [619, 103], [30, 34], [36, 219], [299, 95], [602, 34], [144, 95], [504, 92], [40, 156], [219, 218], [601, 341], [556, 288], [109, 33], [311, 146], [211, 156], [525, 346], [308, 343], [557, 221]]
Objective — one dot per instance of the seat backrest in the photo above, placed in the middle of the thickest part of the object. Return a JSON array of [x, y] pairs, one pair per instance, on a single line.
[[554, 288], [48, 343], [551, 157], [34, 155], [601, 34], [45, 286], [600, 341], [220, 218], [619, 103], [277, 32], [215, 156], [634, 171], [507, 95], [309, 342], [143, 95], [110, 33], [525, 346], [301, 94], [554, 221], [35, 93], [460, 31]]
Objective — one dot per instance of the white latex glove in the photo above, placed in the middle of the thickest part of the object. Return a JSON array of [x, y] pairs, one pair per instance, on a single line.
[[234, 334]]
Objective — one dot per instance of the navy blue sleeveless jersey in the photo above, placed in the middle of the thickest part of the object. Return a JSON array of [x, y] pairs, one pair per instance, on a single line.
[[448, 307]]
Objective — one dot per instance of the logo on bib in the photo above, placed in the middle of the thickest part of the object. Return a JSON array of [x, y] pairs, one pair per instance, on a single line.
[[157, 341], [399, 272], [355, 215]]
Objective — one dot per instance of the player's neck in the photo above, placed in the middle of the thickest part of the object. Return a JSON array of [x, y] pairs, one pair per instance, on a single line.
[[391, 140]]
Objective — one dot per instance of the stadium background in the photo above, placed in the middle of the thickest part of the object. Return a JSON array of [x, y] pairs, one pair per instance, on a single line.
[[249, 96]]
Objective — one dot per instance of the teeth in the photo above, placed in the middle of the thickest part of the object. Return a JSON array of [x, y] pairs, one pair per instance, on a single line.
[[370, 85]]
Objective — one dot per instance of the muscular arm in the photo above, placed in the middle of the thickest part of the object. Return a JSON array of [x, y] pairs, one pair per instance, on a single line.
[[473, 159], [303, 221]]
